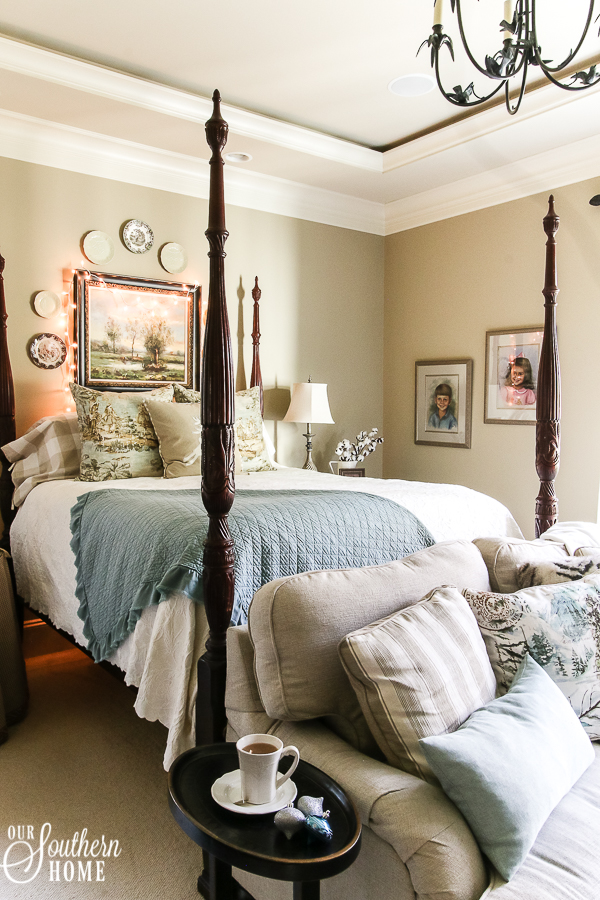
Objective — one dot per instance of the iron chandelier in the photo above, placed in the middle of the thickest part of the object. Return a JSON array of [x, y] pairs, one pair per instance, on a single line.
[[520, 49]]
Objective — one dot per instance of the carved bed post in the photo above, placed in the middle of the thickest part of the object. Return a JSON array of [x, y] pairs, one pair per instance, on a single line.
[[547, 437], [7, 417], [256, 377], [217, 452]]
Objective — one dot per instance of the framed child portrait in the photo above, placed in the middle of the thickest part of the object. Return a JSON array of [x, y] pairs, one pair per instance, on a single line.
[[443, 402], [512, 359]]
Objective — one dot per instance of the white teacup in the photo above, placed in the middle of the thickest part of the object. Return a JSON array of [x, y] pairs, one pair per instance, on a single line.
[[259, 756]]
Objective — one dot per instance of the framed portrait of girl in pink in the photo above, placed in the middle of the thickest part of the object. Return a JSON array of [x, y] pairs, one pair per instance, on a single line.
[[511, 370]]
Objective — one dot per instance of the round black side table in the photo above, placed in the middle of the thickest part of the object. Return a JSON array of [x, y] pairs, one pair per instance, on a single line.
[[252, 842]]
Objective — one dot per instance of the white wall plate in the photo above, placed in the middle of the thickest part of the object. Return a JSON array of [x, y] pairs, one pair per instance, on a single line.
[[137, 236], [47, 304], [98, 247], [173, 258]]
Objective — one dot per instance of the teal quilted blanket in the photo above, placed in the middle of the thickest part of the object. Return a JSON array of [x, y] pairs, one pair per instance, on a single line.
[[132, 548]]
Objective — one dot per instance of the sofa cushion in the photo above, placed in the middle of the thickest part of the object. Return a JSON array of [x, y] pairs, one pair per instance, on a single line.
[[564, 862], [511, 763], [559, 625], [296, 624], [419, 672], [505, 556]]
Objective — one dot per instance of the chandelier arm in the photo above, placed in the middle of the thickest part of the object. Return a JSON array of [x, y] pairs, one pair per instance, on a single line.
[[566, 87], [474, 62], [451, 99], [513, 110], [536, 47]]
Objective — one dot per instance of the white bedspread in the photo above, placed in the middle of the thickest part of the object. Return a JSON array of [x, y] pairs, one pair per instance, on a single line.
[[160, 656]]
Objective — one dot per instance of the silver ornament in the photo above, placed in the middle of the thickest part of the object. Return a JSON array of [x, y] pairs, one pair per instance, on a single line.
[[289, 820], [311, 806], [318, 828]]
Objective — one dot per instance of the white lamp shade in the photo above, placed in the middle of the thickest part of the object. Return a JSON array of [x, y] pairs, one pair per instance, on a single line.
[[309, 404]]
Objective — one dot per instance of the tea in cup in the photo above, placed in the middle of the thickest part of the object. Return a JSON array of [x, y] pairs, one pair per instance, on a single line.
[[259, 756]]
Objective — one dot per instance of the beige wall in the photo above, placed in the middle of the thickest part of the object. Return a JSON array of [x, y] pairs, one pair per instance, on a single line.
[[446, 284], [321, 311]]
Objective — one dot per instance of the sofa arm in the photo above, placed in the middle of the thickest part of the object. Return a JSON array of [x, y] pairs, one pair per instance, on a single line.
[[416, 818]]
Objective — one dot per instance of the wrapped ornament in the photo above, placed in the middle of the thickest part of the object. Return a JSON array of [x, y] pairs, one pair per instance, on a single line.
[[318, 827]]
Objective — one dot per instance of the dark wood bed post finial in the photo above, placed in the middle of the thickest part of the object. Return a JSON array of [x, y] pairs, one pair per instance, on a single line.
[[218, 487], [547, 438], [256, 377], [7, 417]]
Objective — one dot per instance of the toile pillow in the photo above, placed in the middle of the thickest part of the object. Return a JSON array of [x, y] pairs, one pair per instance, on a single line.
[[118, 439], [569, 569], [177, 427], [249, 432], [419, 672], [559, 626]]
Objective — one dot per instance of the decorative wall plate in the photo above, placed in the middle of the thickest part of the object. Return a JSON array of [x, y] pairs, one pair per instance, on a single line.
[[173, 258], [98, 247], [47, 304], [47, 351], [137, 236]]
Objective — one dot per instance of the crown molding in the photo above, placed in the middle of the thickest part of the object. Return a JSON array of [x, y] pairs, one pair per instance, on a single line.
[[488, 122], [36, 62], [60, 146], [540, 172]]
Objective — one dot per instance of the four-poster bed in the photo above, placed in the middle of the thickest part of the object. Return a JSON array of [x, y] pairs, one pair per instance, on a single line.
[[217, 484]]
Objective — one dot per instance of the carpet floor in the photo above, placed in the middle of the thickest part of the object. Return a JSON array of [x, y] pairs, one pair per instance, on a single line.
[[82, 759]]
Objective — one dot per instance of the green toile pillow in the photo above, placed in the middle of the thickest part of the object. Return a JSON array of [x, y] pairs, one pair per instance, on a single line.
[[559, 625], [117, 436]]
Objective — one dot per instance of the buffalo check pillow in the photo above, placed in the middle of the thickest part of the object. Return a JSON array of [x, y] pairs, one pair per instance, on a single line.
[[420, 672], [49, 451]]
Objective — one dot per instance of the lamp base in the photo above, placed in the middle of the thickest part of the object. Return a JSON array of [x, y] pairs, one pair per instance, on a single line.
[[308, 463]]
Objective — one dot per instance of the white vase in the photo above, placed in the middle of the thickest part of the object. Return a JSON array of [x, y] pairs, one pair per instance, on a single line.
[[352, 464]]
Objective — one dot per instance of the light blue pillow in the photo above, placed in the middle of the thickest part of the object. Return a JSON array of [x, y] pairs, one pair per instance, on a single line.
[[510, 763]]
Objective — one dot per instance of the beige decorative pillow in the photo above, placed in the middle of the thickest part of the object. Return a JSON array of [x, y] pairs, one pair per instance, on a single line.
[[420, 672], [249, 428], [118, 440], [177, 427]]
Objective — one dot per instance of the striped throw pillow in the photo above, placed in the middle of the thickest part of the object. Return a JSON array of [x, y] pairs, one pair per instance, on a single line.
[[420, 672]]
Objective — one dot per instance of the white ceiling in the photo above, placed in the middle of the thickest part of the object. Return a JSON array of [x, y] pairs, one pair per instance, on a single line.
[[121, 89]]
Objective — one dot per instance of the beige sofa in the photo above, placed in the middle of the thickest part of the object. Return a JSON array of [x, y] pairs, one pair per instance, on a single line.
[[285, 677]]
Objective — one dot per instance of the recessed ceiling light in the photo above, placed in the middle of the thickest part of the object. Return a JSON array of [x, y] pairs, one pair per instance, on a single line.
[[238, 157], [412, 85]]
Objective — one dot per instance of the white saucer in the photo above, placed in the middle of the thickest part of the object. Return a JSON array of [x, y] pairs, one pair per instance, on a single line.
[[227, 792]]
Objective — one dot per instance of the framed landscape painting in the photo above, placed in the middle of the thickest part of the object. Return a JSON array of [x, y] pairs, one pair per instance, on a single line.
[[136, 333], [512, 359], [443, 402]]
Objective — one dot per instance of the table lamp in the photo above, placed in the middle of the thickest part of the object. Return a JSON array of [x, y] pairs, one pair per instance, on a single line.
[[309, 404]]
